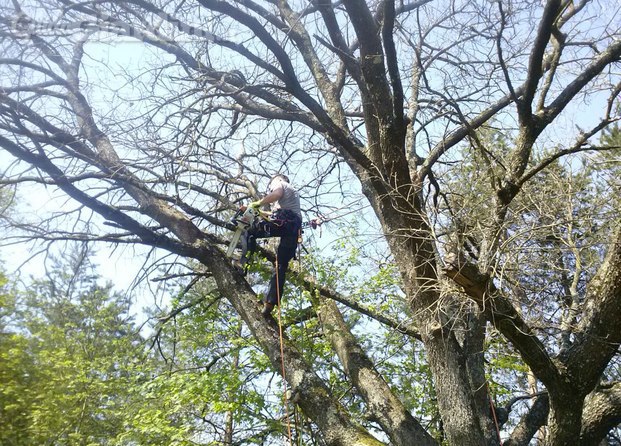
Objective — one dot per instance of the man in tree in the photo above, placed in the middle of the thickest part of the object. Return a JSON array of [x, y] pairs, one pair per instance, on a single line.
[[395, 96], [285, 222]]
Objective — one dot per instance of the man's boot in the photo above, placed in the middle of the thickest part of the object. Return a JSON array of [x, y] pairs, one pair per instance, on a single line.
[[267, 308]]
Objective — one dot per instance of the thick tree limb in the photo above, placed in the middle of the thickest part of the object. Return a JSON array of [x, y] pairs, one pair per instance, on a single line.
[[602, 412], [502, 315], [599, 332], [388, 29], [385, 407], [535, 63], [530, 423], [611, 54]]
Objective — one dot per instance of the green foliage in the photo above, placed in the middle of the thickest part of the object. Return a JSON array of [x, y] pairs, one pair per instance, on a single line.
[[14, 364], [208, 378], [77, 373], [6, 201], [66, 361], [611, 141]]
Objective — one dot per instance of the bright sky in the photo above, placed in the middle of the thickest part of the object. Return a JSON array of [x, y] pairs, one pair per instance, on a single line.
[[117, 265]]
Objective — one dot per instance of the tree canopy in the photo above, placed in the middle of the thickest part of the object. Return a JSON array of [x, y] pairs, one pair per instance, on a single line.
[[481, 135]]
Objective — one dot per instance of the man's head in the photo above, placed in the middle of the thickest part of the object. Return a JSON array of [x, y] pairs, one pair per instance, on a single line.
[[281, 176]]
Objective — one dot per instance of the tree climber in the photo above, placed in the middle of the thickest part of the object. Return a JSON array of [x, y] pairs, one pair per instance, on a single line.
[[285, 222]]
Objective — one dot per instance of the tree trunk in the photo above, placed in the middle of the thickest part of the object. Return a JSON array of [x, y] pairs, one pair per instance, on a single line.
[[459, 415], [564, 421], [448, 361]]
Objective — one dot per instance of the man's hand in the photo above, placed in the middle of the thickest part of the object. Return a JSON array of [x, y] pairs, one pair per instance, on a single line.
[[256, 204]]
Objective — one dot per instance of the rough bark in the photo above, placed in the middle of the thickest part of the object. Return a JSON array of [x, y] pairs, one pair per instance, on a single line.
[[602, 412]]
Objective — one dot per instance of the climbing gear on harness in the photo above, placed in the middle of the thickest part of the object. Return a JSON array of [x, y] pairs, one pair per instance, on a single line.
[[243, 218], [314, 223]]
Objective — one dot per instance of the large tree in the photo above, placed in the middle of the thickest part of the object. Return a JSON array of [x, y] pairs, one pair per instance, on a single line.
[[452, 118]]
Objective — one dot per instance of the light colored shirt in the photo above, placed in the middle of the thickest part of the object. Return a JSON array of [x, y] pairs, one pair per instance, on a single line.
[[290, 197]]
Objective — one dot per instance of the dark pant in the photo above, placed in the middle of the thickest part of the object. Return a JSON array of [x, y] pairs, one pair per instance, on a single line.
[[286, 225]]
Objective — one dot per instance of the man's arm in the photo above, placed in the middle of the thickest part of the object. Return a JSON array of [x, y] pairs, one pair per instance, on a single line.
[[272, 197]]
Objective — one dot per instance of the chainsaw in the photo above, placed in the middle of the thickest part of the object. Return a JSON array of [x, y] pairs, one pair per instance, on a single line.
[[243, 218]]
